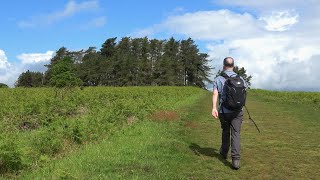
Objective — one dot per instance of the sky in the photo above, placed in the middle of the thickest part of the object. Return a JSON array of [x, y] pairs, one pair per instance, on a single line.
[[277, 41]]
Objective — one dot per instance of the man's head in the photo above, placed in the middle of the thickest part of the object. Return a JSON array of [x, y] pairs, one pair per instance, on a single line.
[[228, 63]]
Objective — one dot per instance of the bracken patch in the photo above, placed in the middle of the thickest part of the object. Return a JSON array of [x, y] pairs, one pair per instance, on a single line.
[[131, 120], [190, 124], [27, 126], [165, 116]]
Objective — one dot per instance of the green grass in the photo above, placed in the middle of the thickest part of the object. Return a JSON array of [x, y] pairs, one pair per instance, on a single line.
[[287, 147], [291, 98], [39, 125]]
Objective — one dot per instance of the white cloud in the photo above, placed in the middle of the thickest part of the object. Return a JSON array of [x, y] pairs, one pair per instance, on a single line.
[[35, 57], [70, 9], [3, 60], [73, 7], [100, 21], [278, 46], [6, 69], [280, 20], [268, 5], [208, 25], [97, 22], [273, 61], [9, 72], [211, 25], [145, 32]]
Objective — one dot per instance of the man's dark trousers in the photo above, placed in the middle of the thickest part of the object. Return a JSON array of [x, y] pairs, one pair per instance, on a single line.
[[231, 122]]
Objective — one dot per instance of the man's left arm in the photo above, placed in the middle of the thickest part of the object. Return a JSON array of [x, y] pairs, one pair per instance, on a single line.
[[215, 96], [215, 113]]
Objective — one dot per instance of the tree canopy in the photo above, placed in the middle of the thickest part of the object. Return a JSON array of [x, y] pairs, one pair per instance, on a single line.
[[2, 85], [30, 79], [62, 74], [243, 73], [129, 62]]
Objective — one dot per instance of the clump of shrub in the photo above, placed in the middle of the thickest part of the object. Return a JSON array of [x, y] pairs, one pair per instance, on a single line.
[[76, 135], [10, 157], [47, 142]]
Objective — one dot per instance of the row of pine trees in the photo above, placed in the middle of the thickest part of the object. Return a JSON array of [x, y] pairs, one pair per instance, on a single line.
[[127, 62]]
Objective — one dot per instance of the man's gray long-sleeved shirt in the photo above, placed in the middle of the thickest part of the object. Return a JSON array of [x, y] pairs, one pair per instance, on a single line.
[[218, 85]]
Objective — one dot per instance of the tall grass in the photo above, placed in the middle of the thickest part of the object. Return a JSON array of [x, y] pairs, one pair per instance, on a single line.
[[310, 98], [38, 125]]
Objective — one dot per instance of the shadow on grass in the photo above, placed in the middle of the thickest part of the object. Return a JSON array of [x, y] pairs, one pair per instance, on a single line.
[[211, 152]]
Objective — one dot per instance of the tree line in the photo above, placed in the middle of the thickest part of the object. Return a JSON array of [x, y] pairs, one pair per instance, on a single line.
[[127, 62]]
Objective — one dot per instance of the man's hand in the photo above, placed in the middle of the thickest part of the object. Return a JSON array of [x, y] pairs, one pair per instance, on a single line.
[[215, 113]]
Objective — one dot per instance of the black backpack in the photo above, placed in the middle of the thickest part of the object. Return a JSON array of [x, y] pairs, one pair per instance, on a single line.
[[235, 91]]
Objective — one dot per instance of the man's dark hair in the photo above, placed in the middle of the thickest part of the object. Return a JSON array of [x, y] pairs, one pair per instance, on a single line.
[[228, 63]]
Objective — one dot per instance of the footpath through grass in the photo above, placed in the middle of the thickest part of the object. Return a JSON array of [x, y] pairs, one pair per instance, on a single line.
[[187, 147]]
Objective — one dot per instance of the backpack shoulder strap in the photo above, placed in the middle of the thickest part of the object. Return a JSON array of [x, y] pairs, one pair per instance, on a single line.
[[223, 74]]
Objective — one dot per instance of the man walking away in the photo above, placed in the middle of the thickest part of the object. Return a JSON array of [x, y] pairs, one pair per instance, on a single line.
[[230, 117]]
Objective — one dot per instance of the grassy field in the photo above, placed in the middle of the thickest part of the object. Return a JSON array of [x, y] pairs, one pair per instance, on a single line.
[[40, 125], [180, 140]]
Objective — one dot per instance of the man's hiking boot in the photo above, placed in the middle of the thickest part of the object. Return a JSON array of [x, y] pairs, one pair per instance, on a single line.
[[224, 155], [236, 163]]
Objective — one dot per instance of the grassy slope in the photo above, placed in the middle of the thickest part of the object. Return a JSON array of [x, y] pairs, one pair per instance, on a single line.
[[287, 147], [36, 126]]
